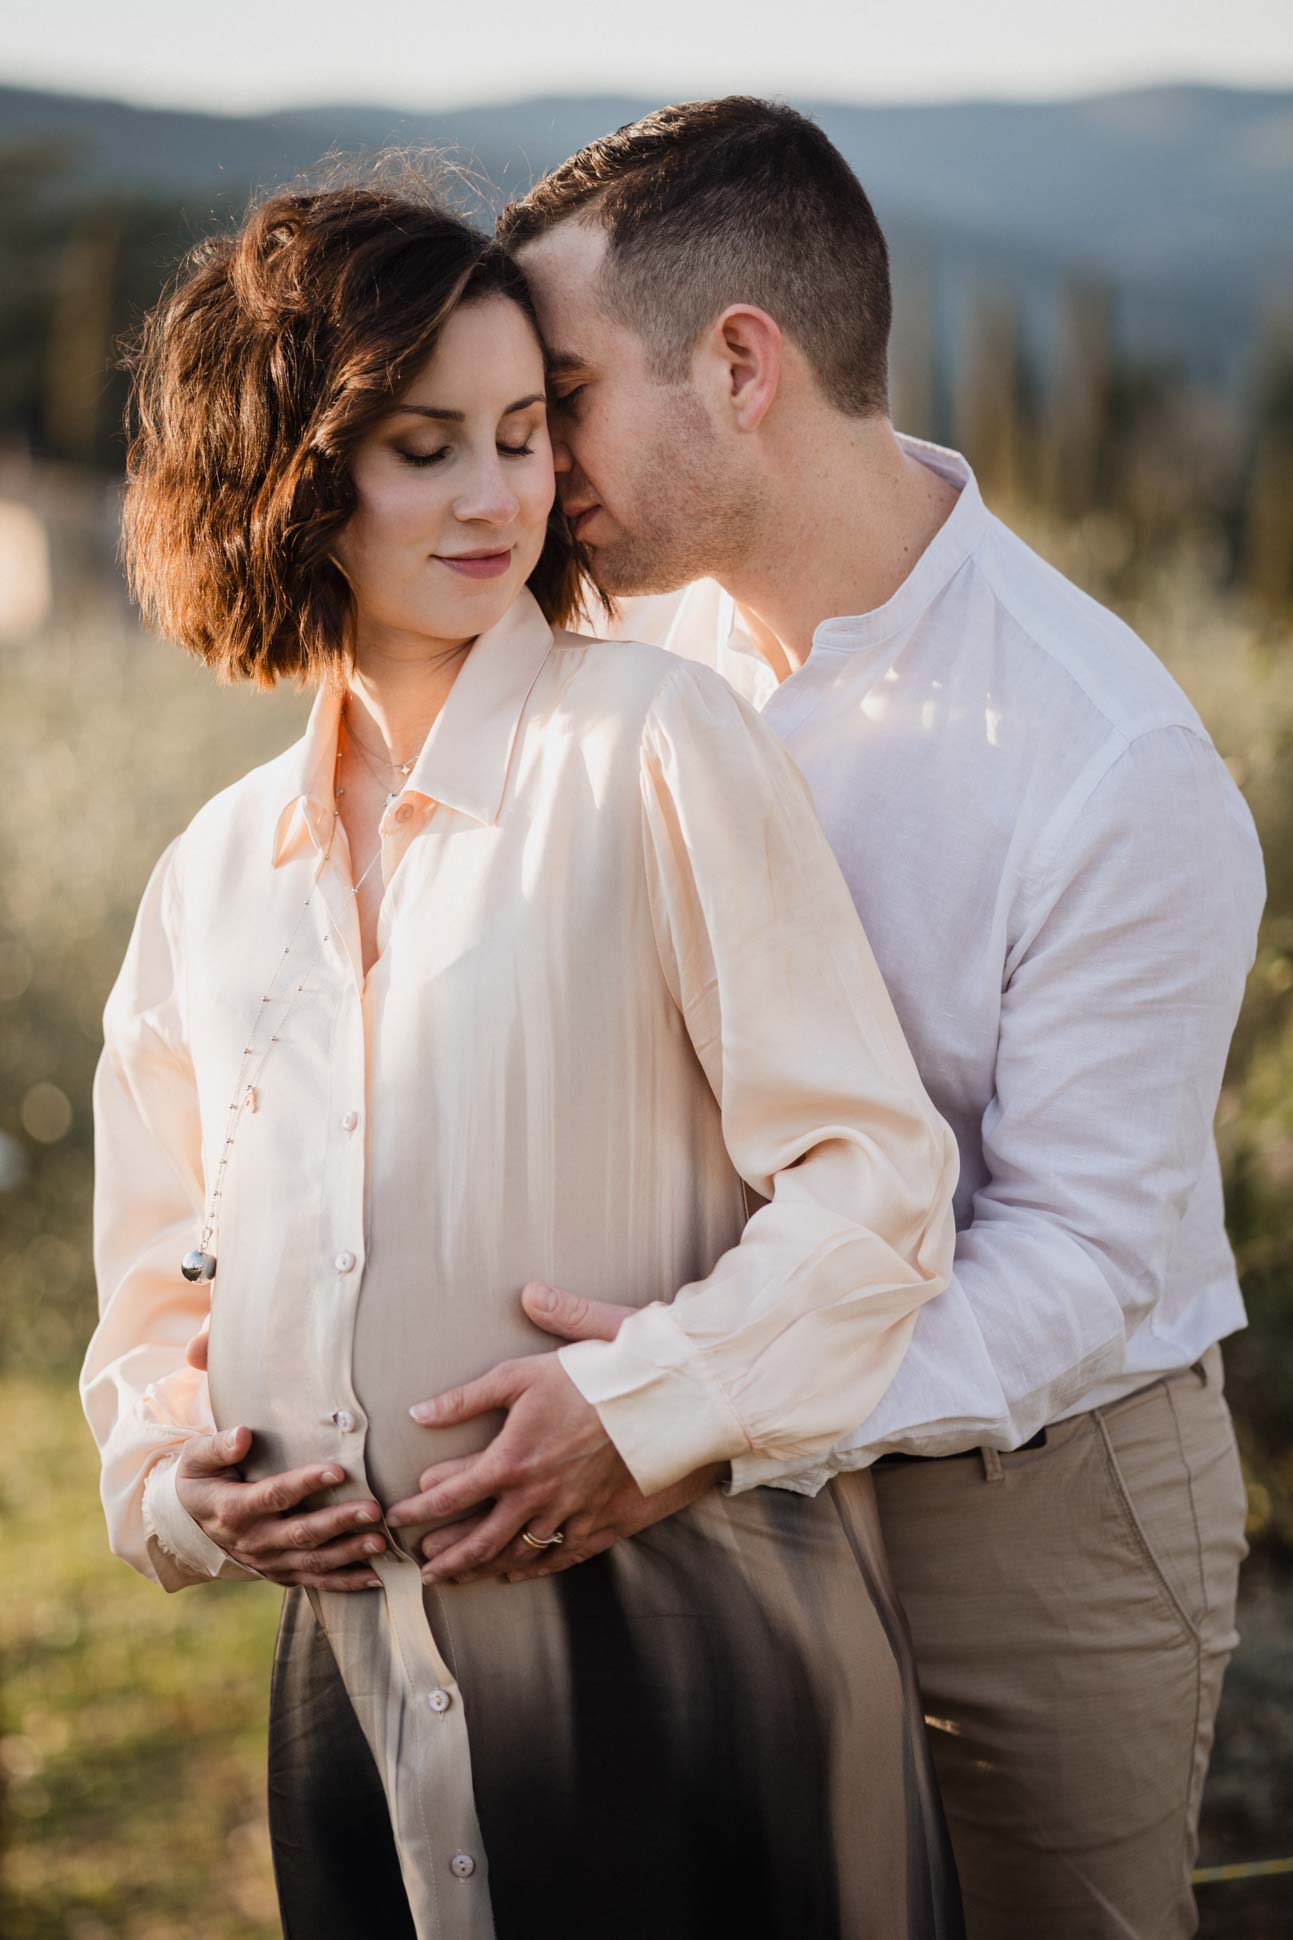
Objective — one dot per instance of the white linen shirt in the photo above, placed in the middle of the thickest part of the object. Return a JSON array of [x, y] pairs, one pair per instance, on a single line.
[[1062, 885]]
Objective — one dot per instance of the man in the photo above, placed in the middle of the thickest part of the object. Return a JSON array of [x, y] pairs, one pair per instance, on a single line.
[[1062, 886]]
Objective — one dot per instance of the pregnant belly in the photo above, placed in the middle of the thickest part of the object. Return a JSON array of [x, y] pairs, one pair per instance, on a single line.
[[407, 1350], [292, 1368]]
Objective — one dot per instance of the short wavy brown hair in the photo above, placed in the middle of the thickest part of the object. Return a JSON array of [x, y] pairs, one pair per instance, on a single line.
[[253, 381]]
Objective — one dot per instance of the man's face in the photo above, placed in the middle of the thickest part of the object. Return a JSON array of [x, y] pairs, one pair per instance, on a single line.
[[642, 469]]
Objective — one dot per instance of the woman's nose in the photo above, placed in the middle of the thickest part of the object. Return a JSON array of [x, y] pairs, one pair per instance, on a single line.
[[488, 496]]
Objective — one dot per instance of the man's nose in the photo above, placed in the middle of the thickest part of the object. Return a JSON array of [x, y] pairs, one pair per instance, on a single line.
[[562, 457]]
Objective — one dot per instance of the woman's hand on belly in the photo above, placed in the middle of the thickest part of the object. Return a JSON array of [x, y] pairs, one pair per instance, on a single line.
[[262, 1526], [551, 1461]]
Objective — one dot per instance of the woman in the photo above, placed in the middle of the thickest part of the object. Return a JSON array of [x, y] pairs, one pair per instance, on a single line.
[[525, 962]]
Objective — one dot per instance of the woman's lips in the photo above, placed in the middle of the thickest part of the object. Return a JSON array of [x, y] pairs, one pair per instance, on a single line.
[[482, 565]]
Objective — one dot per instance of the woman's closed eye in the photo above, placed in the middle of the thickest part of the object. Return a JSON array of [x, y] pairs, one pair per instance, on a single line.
[[422, 458]]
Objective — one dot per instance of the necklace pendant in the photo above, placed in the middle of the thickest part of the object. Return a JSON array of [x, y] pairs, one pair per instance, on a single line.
[[198, 1266]]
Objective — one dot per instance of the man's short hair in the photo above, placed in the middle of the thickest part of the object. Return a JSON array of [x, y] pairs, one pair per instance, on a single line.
[[711, 203]]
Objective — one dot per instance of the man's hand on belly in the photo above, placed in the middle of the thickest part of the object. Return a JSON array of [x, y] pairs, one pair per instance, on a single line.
[[551, 1467]]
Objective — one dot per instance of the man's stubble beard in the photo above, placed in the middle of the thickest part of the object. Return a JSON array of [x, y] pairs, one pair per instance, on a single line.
[[692, 518]]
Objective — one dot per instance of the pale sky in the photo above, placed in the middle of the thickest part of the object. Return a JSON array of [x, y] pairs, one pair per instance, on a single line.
[[253, 54]]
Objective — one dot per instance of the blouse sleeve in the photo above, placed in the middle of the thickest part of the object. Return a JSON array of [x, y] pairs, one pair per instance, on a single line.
[[142, 1400], [793, 1337]]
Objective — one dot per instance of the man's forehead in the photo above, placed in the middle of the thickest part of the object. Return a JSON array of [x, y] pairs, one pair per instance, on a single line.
[[570, 253], [562, 269]]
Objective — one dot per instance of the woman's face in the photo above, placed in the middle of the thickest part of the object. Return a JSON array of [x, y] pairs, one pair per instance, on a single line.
[[453, 487]]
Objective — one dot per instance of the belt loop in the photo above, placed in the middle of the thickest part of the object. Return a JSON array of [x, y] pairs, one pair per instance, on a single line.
[[992, 1469], [1200, 1367]]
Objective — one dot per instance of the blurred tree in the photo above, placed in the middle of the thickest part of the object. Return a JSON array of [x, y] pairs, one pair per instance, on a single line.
[[913, 352], [28, 270], [84, 325], [1079, 405], [995, 402], [1268, 536]]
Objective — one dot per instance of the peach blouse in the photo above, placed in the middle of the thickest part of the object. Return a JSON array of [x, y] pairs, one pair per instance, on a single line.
[[619, 975], [624, 1033]]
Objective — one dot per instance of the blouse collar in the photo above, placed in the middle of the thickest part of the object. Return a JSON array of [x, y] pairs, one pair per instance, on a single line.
[[464, 760]]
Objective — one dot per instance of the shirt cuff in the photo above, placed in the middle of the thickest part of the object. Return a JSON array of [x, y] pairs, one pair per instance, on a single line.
[[182, 1552], [756, 1471], [665, 1419]]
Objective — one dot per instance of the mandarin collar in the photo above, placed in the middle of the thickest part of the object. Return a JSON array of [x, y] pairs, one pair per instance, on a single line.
[[464, 761], [942, 559]]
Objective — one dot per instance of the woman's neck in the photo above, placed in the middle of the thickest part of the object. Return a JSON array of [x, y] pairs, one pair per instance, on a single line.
[[393, 696]]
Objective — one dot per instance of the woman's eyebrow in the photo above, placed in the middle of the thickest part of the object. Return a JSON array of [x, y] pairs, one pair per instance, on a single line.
[[460, 417]]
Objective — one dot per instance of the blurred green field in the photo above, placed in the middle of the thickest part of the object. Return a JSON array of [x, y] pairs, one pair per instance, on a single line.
[[133, 1723], [132, 1729]]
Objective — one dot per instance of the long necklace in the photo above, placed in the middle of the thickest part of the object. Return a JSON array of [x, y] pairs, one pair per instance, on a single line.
[[200, 1263]]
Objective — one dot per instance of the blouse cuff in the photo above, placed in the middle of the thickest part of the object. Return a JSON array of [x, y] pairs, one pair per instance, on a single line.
[[182, 1552], [663, 1417]]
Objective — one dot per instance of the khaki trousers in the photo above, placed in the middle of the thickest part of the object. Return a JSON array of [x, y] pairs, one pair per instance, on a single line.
[[1072, 1609]]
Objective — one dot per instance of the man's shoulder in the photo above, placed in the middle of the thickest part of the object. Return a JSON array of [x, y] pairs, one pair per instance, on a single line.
[[1079, 667]]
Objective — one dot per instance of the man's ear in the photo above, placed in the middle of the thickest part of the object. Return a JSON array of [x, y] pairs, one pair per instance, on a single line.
[[747, 345]]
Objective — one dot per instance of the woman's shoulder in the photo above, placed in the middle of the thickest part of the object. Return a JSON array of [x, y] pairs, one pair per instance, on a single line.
[[243, 812]]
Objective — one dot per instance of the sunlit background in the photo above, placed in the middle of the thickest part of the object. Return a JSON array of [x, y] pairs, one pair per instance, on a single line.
[[1090, 219]]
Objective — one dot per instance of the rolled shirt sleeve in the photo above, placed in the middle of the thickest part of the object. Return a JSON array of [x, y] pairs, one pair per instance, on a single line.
[[142, 1400], [1136, 928], [799, 1328]]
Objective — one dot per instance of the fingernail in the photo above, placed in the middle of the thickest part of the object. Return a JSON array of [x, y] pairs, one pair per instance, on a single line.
[[332, 1474], [542, 1297], [372, 1546], [423, 1411], [365, 1515]]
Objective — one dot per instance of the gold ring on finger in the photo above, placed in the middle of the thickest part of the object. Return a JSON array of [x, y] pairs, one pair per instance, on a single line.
[[544, 1542]]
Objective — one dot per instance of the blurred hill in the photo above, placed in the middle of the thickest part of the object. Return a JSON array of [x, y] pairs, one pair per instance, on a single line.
[[1177, 197]]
